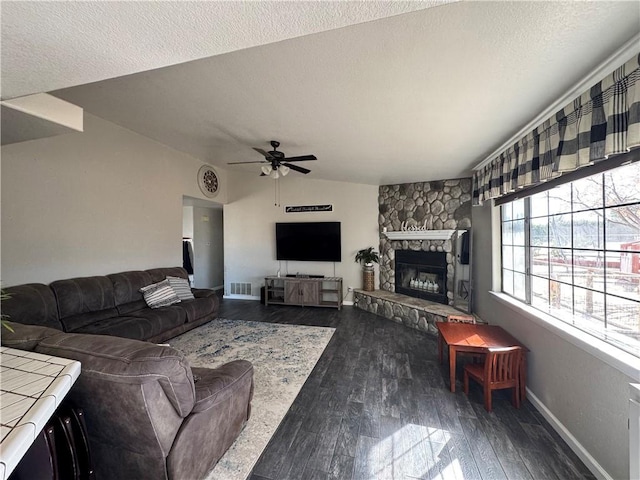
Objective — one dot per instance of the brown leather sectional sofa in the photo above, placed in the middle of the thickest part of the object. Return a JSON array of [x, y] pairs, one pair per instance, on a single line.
[[110, 305], [149, 415]]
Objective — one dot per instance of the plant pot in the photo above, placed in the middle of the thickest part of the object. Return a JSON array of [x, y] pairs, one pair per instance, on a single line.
[[368, 278]]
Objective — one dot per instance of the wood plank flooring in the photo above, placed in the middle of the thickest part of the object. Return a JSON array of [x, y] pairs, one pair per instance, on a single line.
[[377, 407]]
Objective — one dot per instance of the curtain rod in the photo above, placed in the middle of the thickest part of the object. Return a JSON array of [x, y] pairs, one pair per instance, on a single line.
[[620, 56]]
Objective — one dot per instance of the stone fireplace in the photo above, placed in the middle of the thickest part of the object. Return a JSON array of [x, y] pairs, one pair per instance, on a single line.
[[420, 252], [422, 275], [440, 205]]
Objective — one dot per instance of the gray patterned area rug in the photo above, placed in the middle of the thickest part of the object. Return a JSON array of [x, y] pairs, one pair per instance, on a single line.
[[282, 356]]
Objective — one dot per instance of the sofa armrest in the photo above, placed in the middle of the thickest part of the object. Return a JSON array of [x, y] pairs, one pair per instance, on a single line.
[[217, 385], [223, 400], [203, 292]]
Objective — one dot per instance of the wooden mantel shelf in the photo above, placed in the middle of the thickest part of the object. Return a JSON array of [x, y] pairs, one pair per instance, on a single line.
[[421, 234]]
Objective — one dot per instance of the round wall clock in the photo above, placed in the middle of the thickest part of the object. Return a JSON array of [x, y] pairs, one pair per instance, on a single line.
[[208, 181]]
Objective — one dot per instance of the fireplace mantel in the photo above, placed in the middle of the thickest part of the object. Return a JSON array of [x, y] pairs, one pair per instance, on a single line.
[[421, 234]]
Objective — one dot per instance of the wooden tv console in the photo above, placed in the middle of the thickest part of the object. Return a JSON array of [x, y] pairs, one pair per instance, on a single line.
[[304, 291]]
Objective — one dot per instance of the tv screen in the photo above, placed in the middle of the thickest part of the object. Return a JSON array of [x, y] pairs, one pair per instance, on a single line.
[[310, 241]]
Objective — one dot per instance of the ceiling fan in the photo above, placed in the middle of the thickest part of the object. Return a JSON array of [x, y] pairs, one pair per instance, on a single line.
[[277, 163]]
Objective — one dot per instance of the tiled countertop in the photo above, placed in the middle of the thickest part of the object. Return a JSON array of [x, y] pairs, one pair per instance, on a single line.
[[32, 386]]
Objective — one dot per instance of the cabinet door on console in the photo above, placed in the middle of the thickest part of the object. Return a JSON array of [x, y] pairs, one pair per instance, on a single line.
[[310, 292], [292, 292]]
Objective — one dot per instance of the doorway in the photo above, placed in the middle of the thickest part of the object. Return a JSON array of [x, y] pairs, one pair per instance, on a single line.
[[203, 242]]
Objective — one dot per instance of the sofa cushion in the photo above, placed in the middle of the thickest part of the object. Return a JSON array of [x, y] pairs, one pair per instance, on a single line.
[[33, 304], [25, 337], [122, 360], [199, 307], [82, 301], [181, 287], [126, 290], [137, 328], [73, 323], [162, 319]]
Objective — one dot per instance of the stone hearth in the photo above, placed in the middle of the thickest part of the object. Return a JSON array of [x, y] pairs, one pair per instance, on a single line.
[[411, 312]]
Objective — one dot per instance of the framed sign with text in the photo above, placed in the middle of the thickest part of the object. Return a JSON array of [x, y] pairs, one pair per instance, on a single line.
[[308, 208]]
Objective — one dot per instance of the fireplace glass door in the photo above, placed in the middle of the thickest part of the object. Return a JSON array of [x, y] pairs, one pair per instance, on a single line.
[[422, 275]]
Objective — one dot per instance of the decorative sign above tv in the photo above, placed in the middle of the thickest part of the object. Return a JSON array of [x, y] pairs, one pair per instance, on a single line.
[[307, 208], [309, 241]]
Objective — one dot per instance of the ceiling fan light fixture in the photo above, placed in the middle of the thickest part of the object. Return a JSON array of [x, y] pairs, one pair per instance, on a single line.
[[276, 163], [266, 169]]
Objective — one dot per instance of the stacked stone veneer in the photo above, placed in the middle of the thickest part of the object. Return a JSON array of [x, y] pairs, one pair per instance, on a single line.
[[408, 311], [441, 205]]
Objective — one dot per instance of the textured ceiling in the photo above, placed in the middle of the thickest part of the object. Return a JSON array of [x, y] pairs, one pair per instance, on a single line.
[[51, 45], [420, 96]]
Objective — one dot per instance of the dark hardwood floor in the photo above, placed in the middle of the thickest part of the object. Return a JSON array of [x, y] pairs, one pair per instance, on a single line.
[[377, 406]]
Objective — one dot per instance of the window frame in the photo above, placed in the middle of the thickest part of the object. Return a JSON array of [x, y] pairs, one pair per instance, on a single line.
[[617, 358], [591, 339]]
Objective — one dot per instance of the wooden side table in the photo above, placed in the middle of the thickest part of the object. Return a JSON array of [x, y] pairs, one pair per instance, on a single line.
[[476, 338]]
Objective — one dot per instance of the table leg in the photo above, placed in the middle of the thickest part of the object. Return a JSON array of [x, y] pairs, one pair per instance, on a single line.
[[440, 342], [452, 368]]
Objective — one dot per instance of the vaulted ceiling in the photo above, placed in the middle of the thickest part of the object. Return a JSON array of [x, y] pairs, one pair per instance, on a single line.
[[380, 92]]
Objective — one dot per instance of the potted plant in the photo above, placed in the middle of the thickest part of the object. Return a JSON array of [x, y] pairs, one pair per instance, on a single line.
[[367, 257]]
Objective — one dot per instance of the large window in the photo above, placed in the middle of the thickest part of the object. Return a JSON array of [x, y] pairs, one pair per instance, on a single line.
[[574, 252]]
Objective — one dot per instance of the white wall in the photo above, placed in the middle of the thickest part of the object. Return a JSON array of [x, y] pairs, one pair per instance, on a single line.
[[187, 221], [92, 203], [250, 217], [588, 396], [208, 251]]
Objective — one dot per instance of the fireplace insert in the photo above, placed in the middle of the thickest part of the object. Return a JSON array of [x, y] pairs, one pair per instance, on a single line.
[[422, 275]]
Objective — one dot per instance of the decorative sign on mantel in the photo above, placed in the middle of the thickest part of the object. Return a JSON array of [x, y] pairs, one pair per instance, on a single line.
[[420, 234], [308, 208]]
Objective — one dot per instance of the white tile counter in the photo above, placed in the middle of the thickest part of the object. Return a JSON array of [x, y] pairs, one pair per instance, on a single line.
[[32, 386]]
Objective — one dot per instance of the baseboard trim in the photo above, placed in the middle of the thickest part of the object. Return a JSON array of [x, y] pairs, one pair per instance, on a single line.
[[241, 297], [251, 297], [568, 437]]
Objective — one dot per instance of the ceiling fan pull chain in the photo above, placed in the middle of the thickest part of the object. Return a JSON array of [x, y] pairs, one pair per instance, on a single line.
[[278, 185], [275, 193]]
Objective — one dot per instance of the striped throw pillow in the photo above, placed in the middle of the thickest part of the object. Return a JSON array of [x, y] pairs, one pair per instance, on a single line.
[[159, 294], [181, 287]]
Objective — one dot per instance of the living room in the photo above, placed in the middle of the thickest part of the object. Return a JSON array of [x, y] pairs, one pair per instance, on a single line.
[[110, 198]]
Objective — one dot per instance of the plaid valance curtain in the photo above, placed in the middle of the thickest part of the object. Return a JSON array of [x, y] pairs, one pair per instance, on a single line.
[[601, 122]]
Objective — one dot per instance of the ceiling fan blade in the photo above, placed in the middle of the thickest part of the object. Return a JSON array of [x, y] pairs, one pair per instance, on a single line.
[[301, 158], [297, 168], [266, 155], [240, 163]]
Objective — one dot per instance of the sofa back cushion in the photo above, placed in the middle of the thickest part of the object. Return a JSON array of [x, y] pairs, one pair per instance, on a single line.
[[158, 274], [32, 304], [126, 289], [118, 360], [82, 301]]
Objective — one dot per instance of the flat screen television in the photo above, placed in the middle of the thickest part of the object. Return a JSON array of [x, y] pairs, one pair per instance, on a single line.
[[309, 241]]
